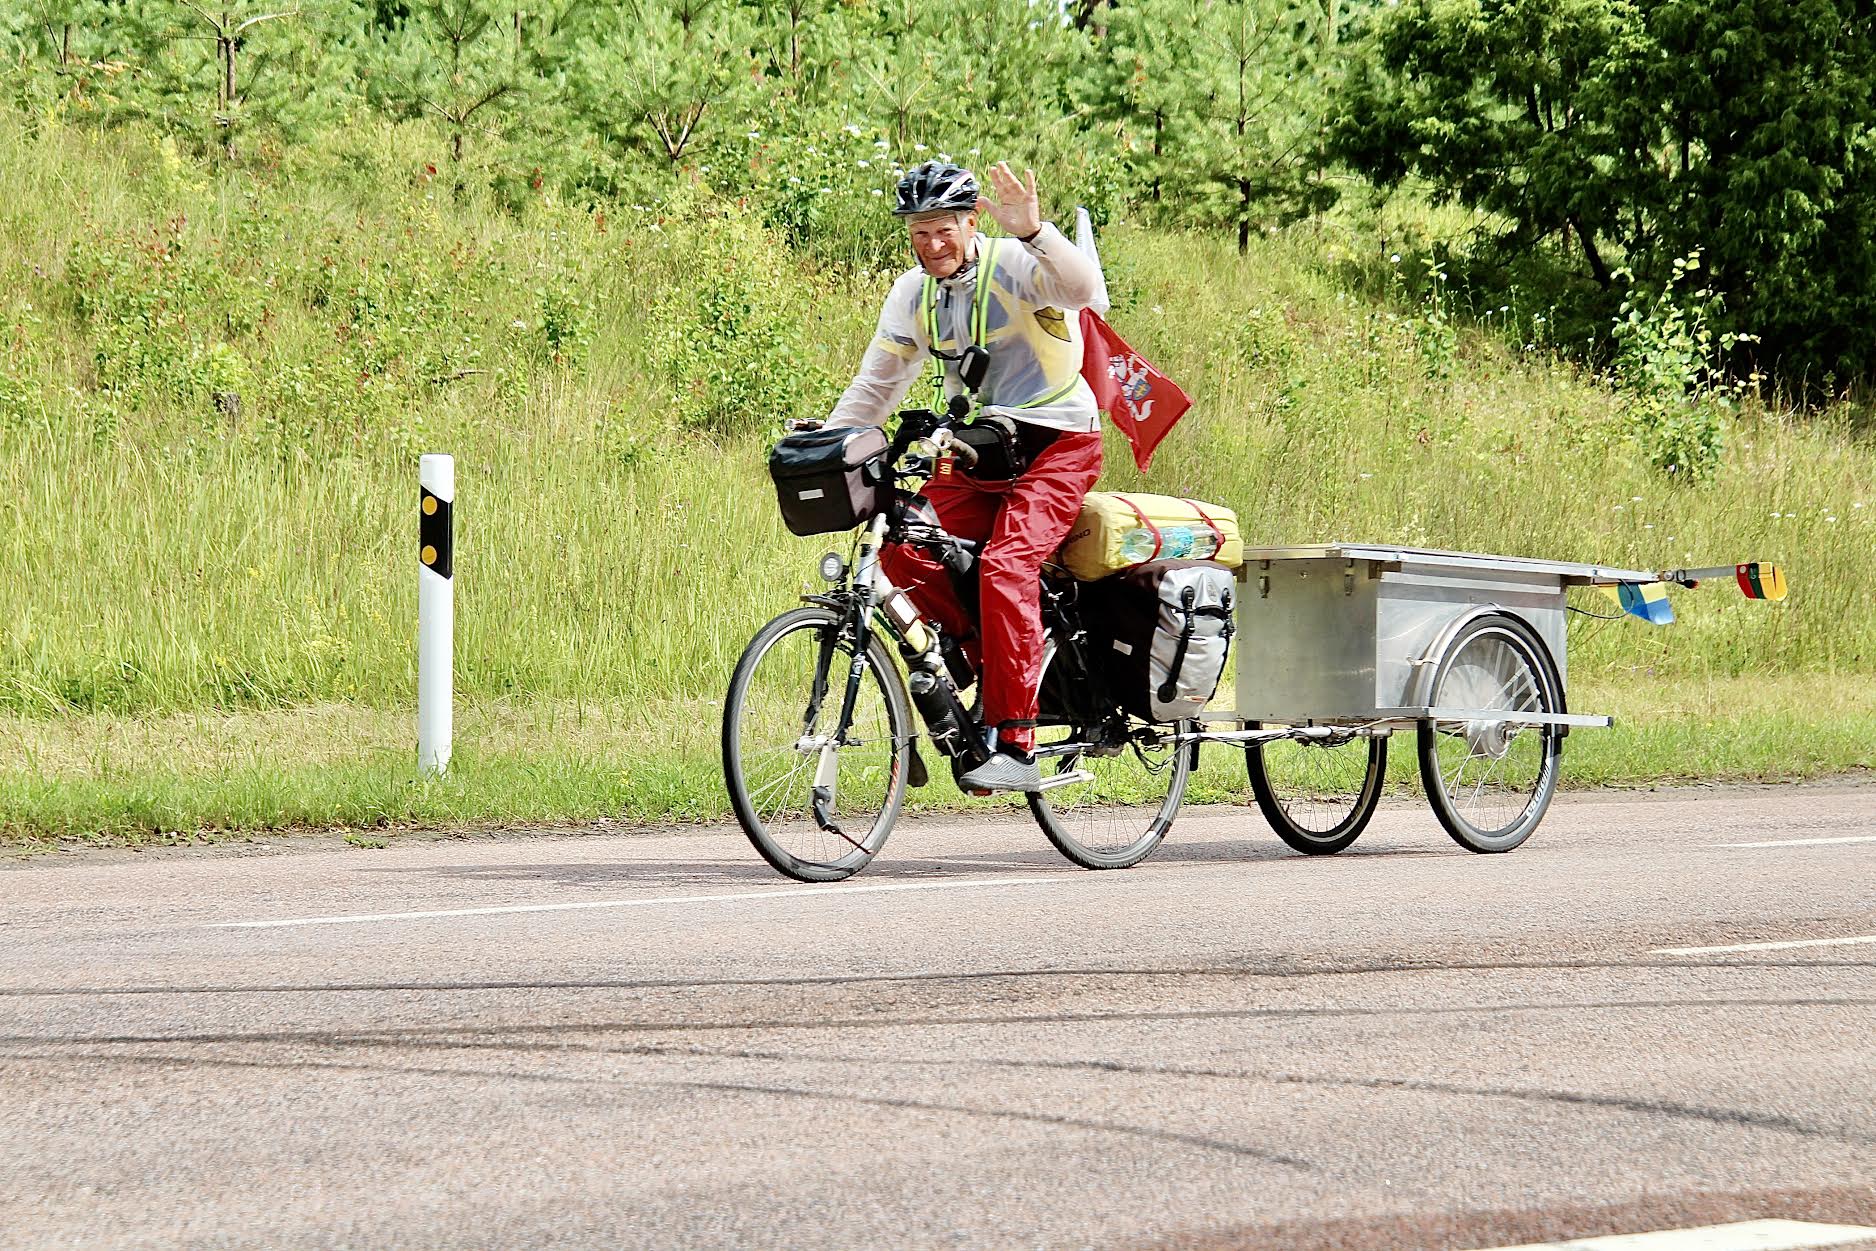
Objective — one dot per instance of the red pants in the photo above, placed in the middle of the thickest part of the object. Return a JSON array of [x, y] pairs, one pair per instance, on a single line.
[[1025, 520]]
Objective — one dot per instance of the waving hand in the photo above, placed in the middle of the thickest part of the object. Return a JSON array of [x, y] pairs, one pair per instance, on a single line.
[[1015, 208]]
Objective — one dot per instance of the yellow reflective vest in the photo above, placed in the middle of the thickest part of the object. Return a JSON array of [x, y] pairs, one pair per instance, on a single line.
[[1020, 301]]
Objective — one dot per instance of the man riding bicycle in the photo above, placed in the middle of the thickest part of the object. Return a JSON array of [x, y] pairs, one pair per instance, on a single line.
[[1016, 298]]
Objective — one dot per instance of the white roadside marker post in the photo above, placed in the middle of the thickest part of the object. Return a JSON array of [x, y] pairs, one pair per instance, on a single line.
[[436, 611]]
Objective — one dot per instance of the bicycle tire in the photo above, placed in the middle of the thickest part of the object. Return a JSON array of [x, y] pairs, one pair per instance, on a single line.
[[1307, 822], [776, 813], [1094, 823], [1494, 653]]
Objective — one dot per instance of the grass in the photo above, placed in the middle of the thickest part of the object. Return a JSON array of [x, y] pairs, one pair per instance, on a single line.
[[207, 613], [106, 778]]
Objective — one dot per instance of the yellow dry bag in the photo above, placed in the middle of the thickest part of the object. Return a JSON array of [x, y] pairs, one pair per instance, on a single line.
[[1116, 532]]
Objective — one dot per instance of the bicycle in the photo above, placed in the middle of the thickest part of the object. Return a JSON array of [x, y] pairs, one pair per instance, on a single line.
[[818, 785]]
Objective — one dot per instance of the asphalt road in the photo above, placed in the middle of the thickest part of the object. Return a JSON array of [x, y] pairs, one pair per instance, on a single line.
[[660, 1043]]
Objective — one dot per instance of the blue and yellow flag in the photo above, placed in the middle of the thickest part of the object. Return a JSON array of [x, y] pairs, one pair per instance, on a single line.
[[1647, 600]]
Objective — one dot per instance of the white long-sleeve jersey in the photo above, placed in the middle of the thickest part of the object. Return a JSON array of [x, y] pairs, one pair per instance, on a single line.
[[1031, 326]]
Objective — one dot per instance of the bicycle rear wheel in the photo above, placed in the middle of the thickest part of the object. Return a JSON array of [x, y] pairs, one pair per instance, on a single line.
[[779, 719], [1127, 786]]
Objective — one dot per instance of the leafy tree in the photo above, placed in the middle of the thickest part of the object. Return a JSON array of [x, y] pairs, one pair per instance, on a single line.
[[1634, 134], [1494, 103]]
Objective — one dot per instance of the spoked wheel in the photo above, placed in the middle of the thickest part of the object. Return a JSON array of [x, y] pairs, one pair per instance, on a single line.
[[817, 810], [1489, 780], [1318, 793], [1114, 792]]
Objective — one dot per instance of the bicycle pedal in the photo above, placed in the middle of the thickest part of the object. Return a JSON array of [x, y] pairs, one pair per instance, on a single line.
[[980, 794]]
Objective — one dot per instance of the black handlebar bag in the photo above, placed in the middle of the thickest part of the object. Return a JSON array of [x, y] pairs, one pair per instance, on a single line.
[[827, 480]]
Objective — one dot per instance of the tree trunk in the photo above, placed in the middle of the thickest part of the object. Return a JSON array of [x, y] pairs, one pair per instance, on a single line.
[[228, 95], [1159, 125], [1244, 216], [1590, 254]]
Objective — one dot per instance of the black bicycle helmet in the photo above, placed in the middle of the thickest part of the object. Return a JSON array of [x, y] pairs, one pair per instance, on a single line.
[[936, 187]]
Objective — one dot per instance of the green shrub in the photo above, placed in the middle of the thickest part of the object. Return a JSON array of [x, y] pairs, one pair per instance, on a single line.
[[730, 343], [1675, 392]]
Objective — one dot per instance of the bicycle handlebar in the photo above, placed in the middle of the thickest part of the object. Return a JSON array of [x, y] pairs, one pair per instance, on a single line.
[[922, 424], [946, 441]]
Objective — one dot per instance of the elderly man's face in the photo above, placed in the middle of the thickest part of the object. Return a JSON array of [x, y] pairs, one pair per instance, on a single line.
[[942, 241]]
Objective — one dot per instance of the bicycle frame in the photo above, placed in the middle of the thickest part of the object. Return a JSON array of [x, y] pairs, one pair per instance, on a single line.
[[862, 600]]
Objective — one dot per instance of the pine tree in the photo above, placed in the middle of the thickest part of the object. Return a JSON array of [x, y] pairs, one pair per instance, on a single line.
[[1223, 103], [225, 70], [466, 63], [655, 74]]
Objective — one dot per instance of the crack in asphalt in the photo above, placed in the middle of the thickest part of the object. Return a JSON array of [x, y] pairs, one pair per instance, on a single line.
[[1737, 1118], [394, 1034], [717, 1087], [874, 979]]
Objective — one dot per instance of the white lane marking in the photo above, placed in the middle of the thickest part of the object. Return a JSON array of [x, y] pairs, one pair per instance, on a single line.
[[1744, 1236], [632, 903], [1787, 946], [1803, 842]]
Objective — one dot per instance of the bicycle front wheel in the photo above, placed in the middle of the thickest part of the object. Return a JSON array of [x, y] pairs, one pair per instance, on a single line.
[[1111, 794], [818, 804]]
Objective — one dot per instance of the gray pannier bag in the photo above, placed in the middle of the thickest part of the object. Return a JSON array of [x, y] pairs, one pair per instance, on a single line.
[[829, 480], [1163, 631]]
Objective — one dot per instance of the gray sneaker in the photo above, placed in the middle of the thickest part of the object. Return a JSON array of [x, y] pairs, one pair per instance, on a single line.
[[1002, 772]]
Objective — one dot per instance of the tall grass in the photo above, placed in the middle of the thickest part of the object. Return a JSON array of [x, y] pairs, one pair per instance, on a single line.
[[166, 552]]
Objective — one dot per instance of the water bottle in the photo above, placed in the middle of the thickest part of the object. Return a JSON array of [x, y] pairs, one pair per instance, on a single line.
[[1137, 546], [1180, 542], [944, 714]]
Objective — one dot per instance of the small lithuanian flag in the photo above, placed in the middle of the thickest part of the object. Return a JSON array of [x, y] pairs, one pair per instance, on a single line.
[[1757, 581]]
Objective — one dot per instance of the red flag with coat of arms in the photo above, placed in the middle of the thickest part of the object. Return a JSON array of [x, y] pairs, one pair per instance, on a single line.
[[1132, 394], [1139, 399]]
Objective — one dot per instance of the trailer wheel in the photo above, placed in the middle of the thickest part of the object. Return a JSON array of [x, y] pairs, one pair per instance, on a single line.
[[1489, 780], [1317, 794]]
